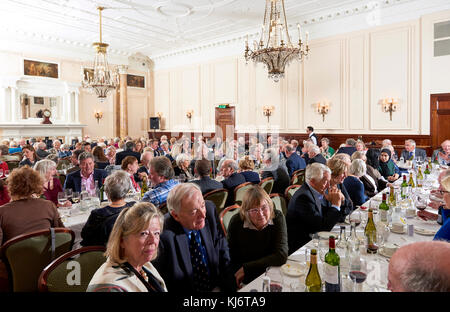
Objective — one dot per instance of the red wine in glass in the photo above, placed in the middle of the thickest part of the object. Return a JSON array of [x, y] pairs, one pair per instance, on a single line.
[[421, 207], [275, 287], [358, 276]]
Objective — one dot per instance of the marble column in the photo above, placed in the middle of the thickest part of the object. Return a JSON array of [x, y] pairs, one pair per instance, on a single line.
[[3, 102], [123, 104], [15, 107]]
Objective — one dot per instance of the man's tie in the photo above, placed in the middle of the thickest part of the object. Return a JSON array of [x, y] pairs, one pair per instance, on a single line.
[[202, 281], [410, 155]]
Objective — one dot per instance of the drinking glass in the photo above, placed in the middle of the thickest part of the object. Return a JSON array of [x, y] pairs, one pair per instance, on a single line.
[[75, 197], [6, 172], [355, 216], [421, 201], [62, 198], [358, 271], [182, 178], [69, 194], [1, 172]]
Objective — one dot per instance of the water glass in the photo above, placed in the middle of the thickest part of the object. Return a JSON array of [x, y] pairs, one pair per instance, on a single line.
[[62, 198], [75, 197], [1, 173], [69, 194]]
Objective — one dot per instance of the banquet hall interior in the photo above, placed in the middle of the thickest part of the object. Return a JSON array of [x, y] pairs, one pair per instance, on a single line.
[[104, 70]]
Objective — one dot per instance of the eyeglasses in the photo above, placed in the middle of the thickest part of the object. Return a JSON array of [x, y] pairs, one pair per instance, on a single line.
[[443, 192], [258, 210]]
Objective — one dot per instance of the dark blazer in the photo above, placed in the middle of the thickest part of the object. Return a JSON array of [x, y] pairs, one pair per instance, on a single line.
[[347, 205], [319, 159], [102, 165], [304, 218], [174, 260], [207, 184], [121, 155], [281, 179], [295, 162], [73, 180], [347, 150], [230, 184], [418, 152], [251, 176]]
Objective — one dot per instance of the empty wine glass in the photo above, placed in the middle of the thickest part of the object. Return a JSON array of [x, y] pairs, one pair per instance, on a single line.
[[358, 271], [355, 217], [69, 193]]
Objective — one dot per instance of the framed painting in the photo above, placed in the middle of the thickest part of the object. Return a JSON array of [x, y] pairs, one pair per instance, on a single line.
[[135, 81], [39, 100], [88, 72], [40, 69]]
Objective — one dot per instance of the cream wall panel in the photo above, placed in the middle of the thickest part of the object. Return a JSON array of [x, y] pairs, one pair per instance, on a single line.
[[177, 116], [324, 82], [162, 98], [390, 76], [88, 105], [207, 102], [246, 112], [356, 83], [137, 114], [225, 81], [293, 112], [190, 95]]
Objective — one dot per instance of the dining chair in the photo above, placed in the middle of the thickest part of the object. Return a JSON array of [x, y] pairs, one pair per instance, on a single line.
[[226, 215], [240, 190], [72, 271], [12, 164], [218, 197], [298, 177], [267, 184], [25, 256], [279, 202], [290, 191]]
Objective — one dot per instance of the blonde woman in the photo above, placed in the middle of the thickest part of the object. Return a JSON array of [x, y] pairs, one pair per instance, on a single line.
[[133, 243], [52, 185]]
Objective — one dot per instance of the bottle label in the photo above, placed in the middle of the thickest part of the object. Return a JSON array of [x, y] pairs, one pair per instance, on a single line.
[[330, 273], [383, 215]]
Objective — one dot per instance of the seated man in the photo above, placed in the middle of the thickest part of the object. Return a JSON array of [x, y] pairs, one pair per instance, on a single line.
[[161, 177], [203, 170], [420, 267], [144, 170], [315, 155], [86, 177], [442, 155], [349, 148], [274, 169], [311, 210], [411, 152], [42, 150], [229, 170], [74, 161], [193, 252], [129, 150]]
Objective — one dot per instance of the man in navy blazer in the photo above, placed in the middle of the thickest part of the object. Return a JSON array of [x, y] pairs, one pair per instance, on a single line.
[[294, 161], [315, 156], [232, 179], [311, 210], [203, 170], [191, 218], [411, 152], [129, 151], [349, 148], [87, 175]]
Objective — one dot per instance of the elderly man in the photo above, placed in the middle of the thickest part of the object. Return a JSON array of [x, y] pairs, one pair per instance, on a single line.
[[294, 161], [144, 170], [41, 150], [85, 178], [229, 170], [203, 169], [420, 267], [193, 252], [315, 155], [442, 155], [349, 147], [411, 152], [274, 169], [129, 150], [74, 161], [161, 177], [311, 209]]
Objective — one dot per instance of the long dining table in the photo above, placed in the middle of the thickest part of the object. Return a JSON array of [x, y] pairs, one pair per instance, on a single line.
[[377, 273]]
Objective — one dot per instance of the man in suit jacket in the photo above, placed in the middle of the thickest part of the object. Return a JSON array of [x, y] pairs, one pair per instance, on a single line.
[[192, 221], [349, 148], [294, 161], [232, 179], [129, 150], [316, 156], [442, 155], [311, 210], [273, 168], [203, 170], [86, 176], [411, 152], [312, 135]]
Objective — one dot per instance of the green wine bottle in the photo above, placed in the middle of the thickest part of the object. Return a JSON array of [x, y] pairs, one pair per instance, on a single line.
[[313, 282], [404, 187], [371, 234], [384, 209], [331, 269], [427, 170], [144, 188]]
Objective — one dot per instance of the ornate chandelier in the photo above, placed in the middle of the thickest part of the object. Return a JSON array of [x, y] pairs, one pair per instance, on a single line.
[[102, 79], [275, 49]]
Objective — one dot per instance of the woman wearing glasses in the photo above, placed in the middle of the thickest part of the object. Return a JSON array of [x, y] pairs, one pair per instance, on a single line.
[[257, 236], [444, 231]]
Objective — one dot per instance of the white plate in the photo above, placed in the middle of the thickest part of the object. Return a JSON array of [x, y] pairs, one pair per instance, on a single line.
[[293, 269], [326, 235], [424, 232], [398, 232], [382, 252]]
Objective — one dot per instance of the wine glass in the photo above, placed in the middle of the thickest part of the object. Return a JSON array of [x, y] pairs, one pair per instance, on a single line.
[[1, 173], [355, 217], [69, 193], [6, 172], [358, 271], [182, 178], [62, 198], [75, 197], [421, 201]]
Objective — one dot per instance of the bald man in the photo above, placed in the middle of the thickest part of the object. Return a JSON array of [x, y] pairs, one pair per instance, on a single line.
[[420, 267]]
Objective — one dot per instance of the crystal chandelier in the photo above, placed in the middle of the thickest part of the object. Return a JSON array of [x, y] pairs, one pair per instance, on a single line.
[[275, 49], [102, 79]]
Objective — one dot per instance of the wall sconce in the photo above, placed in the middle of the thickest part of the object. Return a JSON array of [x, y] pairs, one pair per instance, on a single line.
[[268, 111], [323, 108], [390, 105], [98, 115], [189, 114]]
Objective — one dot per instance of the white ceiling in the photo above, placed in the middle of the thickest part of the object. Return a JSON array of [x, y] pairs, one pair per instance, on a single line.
[[158, 28]]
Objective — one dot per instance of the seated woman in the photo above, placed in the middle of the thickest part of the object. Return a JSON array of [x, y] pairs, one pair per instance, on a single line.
[[258, 221], [26, 212], [101, 221], [51, 183], [360, 146], [388, 170], [183, 161], [339, 169], [100, 159], [139, 146], [372, 180], [352, 183], [133, 243], [130, 165], [4, 194], [246, 167], [326, 150], [29, 156], [3, 168], [444, 231]]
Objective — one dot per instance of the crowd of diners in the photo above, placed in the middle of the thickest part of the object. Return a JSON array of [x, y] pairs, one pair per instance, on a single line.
[[186, 247]]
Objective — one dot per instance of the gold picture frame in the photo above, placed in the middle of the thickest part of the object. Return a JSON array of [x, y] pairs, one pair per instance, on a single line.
[[135, 81], [40, 69]]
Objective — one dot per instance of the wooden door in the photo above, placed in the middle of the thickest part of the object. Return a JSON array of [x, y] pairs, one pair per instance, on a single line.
[[440, 119], [225, 122]]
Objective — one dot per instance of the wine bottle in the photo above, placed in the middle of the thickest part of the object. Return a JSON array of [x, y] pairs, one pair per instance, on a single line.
[[331, 269], [371, 234], [392, 199], [342, 240], [404, 187], [383, 208], [313, 282], [419, 177], [144, 188], [353, 240], [427, 169], [411, 183], [102, 193]]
